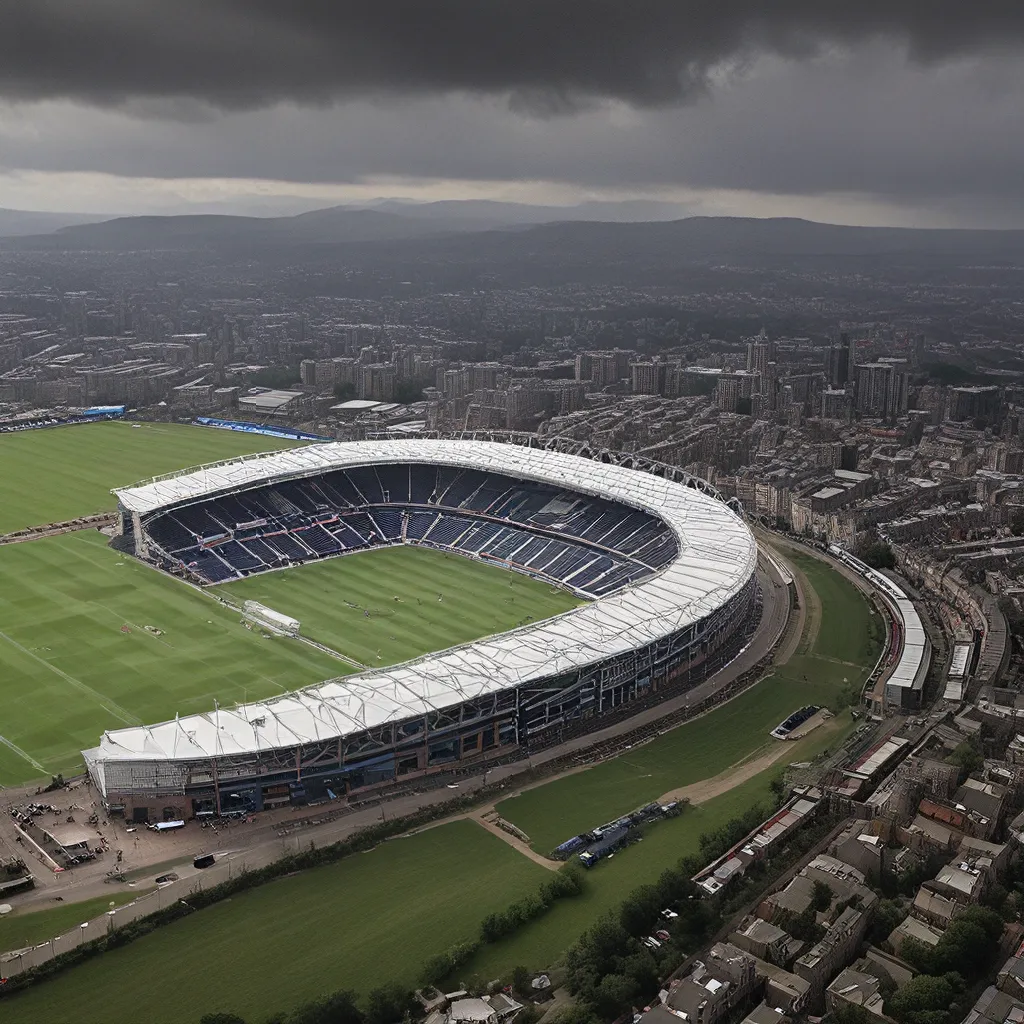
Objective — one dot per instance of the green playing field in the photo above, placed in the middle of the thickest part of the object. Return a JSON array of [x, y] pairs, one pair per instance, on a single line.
[[382, 607], [62, 472], [76, 658]]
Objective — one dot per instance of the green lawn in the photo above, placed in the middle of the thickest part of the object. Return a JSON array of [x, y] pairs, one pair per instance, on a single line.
[[349, 603], [28, 927], [58, 473], [68, 672], [552, 813], [370, 919]]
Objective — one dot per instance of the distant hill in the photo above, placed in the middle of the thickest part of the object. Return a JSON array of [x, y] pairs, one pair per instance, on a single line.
[[484, 213], [338, 224], [31, 222], [465, 231]]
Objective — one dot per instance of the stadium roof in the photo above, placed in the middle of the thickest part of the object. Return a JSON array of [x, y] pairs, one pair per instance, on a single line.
[[716, 557]]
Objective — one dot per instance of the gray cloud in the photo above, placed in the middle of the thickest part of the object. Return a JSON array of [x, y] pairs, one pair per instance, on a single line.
[[551, 55], [859, 124]]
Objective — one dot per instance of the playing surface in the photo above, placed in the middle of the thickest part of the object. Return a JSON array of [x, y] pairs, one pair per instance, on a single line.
[[58, 473], [350, 604], [76, 658]]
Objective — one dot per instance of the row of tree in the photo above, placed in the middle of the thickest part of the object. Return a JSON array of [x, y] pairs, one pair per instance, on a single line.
[[565, 883], [384, 1005]]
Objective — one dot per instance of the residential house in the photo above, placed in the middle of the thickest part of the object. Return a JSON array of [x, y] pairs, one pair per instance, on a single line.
[[854, 988], [836, 949]]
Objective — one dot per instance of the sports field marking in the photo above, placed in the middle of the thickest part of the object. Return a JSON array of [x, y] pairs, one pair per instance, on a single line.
[[21, 753], [104, 702]]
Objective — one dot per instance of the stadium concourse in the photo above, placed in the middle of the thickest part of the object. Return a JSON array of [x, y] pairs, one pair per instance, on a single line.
[[669, 569]]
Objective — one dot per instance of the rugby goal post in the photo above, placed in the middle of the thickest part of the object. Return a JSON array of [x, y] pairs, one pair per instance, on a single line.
[[270, 619]]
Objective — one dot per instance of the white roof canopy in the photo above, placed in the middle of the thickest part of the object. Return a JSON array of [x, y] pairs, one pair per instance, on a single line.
[[716, 558]]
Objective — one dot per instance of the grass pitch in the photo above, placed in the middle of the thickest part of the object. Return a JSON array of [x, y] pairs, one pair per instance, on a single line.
[[58, 473], [382, 607], [75, 658]]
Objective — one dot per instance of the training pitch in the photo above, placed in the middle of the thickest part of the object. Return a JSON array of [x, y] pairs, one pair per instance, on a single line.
[[58, 473]]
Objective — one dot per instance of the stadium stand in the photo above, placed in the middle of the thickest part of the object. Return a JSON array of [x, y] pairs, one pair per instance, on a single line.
[[590, 544]]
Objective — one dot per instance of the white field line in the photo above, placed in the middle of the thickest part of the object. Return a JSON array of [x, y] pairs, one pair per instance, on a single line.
[[21, 753], [104, 702]]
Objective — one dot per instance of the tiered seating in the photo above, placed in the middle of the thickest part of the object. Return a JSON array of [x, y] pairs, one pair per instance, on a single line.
[[170, 534], [447, 530], [419, 523], [288, 547], [261, 549], [388, 522], [366, 483], [322, 542], [422, 483], [394, 483], [348, 538], [463, 488], [209, 566], [479, 535], [239, 557], [587, 543]]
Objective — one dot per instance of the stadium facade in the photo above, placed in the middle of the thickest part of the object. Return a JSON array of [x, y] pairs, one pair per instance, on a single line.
[[668, 568]]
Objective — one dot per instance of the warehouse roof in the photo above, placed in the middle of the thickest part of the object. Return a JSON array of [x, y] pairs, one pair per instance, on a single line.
[[715, 559]]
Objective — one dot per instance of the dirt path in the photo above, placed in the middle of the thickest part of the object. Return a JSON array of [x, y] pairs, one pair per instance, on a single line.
[[733, 776], [516, 844]]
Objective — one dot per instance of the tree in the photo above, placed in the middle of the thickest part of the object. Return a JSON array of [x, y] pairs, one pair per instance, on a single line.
[[967, 756], [337, 1008], [276, 377], [614, 994], [408, 391], [924, 1000], [389, 1004], [221, 1018], [821, 896], [640, 909], [521, 981], [344, 391], [888, 915], [876, 553], [849, 1013]]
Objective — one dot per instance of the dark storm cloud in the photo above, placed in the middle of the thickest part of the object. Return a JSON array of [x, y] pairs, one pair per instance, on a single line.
[[550, 54]]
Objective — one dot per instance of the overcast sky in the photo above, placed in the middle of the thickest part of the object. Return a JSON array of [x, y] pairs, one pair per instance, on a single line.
[[876, 112]]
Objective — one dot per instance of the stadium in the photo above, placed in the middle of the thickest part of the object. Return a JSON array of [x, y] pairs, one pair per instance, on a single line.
[[665, 570]]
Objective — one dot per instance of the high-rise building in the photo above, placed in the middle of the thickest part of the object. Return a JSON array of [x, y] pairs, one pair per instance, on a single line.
[[609, 367], [377, 380], [837, 366], [454, 383], [836, 405], [881, 389], [648, 378], [973, 403], [760, 352]]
